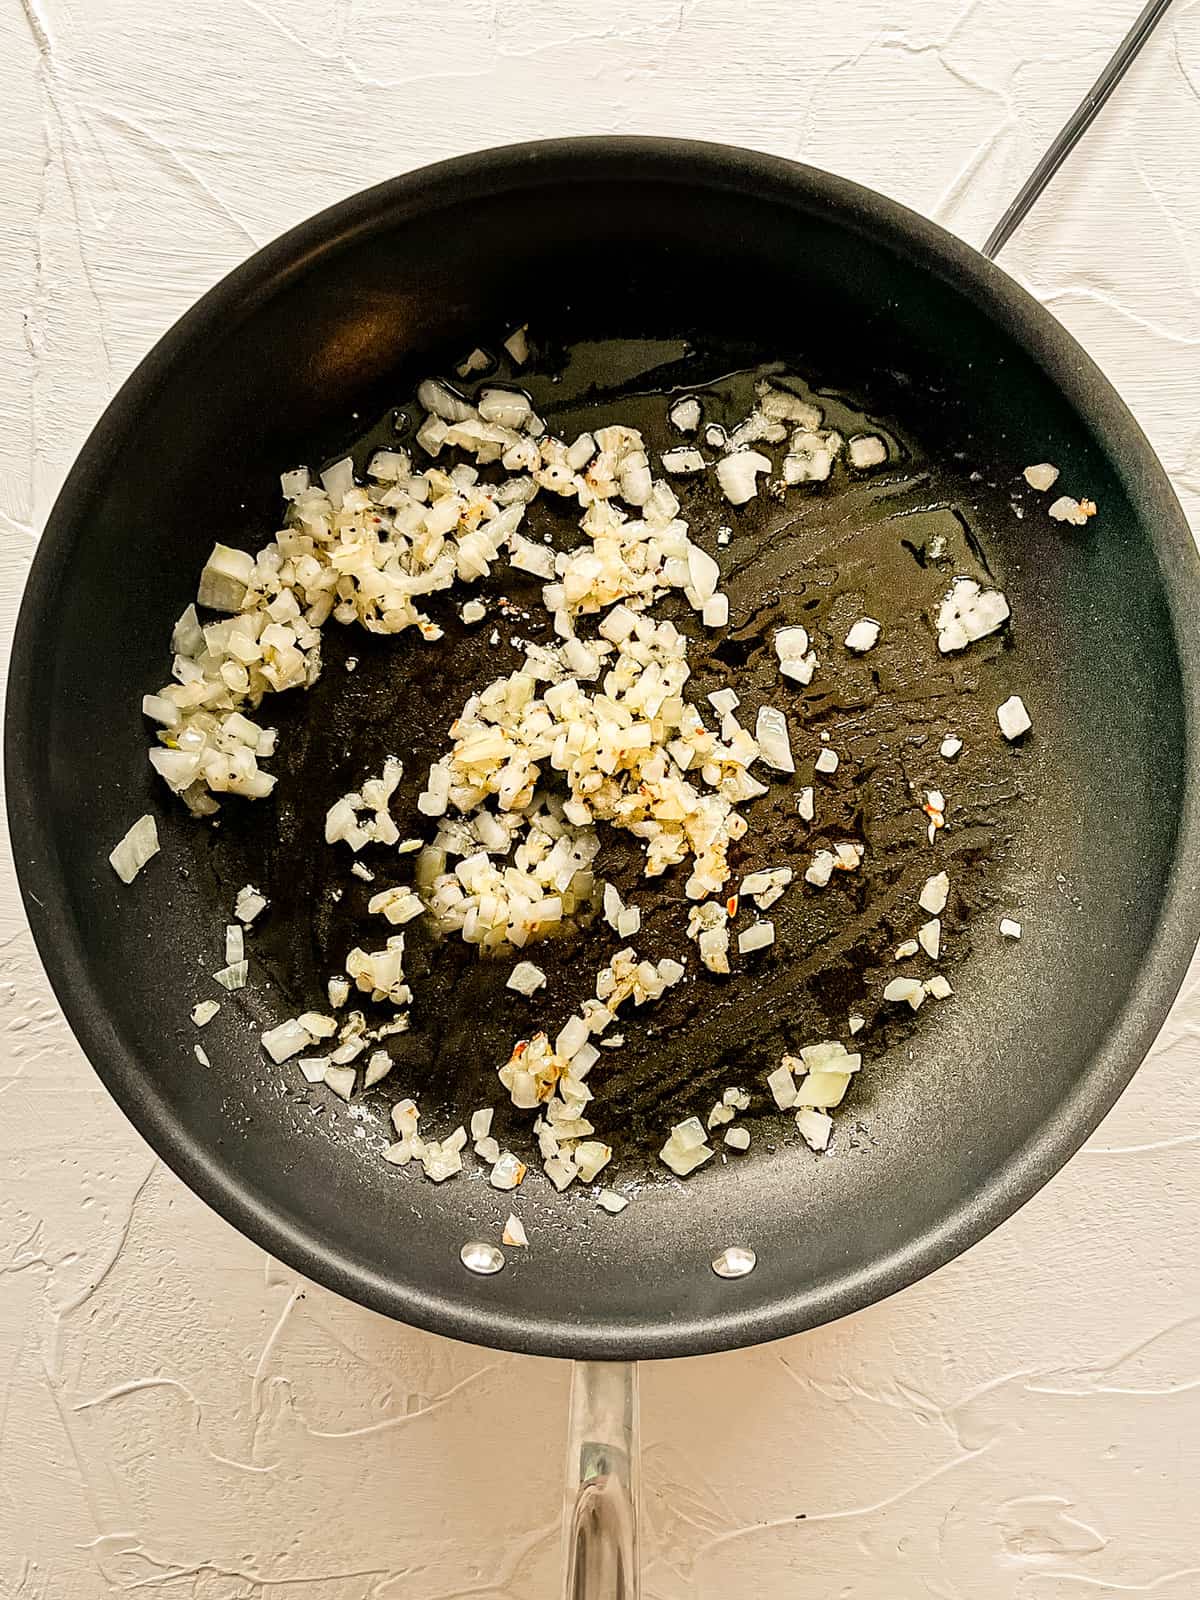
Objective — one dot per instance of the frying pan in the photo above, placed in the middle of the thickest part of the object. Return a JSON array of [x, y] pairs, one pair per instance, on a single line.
[[696, 248]]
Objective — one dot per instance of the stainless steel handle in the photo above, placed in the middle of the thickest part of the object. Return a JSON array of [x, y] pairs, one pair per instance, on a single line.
[[601, 1505]]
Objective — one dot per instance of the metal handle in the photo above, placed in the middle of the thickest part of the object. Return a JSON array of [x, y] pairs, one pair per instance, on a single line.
[[601, 1504]]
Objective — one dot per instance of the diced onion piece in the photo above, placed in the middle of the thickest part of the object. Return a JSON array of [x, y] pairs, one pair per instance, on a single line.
[[826, 762], [474, 611], [823, 1090], [929, 936], [856, 1023], [683, 461], [715, 612], [969, 613], [517, 345], [756, 937], [608, 1200], [514, 1233], [782, 1085], [771, 736], [683, 1161], [821, 869], [908, 991], [1041, 477], [314, 1068], [201, 1055], [685, 414], [866, 450], [378, 1067], [233, 976], [137, 847], [805, 805], [950, 746], [530, 557], [507, 1172], [863, 635], [905, 949], [1010, 929], [249, 904], [204, 1012], [791, 644], [738, 474], [1013, 718], [591, 1156], [939, 987], [235, 943], [224, 578], [1068, 509], [737, 1138], [525, 978], [286, 1040], [814, 1127], [341, 1080], [935, 893]]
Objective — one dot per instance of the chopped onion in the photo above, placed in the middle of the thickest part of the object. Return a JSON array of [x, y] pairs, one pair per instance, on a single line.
[[341, 1080], [514, 1233], [863, 635], [517, 345], [1013, 718], [683, 461], [771, 736], [286, 1040], [939, 987], [969, 613], [608, 1200], [815, 1127], [827, 762], [137, 847], [204, 1012], [249, 904], [805, 805], [737, 1138], [233, 976], [378, 1067], [715, 613], [235, 943], [950, 746], [314, 1068], [866, 450], [685, 414], [782, 1085], [935, 893], [905, 949], [525, 978], [905, 990], [756, 937], [507, 1172], [1067, 509], [738, 473], [821, 869], [201, 1055], [1010, 929], [856, 1023], [930, 938]]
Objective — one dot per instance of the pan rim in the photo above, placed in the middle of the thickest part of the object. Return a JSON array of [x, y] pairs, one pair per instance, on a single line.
[[715, 167]]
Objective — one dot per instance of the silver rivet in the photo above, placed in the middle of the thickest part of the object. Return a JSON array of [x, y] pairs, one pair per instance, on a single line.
[[477, 1255], [735, 1262]]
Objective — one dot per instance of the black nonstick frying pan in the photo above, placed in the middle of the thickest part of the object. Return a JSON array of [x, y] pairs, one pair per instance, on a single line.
[[655, 254]]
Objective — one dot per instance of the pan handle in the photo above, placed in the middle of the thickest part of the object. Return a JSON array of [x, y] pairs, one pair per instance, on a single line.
[[601, 1504]]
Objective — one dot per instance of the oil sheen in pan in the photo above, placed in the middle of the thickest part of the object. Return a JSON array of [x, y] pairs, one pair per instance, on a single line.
[[884, 544]]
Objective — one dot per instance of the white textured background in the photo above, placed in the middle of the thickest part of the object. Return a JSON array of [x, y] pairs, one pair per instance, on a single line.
[[183, 1419]]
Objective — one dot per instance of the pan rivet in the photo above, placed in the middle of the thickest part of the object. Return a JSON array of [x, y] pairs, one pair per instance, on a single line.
[[735, 1262], [477, 1255]]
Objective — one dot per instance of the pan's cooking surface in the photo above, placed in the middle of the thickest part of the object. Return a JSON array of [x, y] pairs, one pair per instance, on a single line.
[[859, 545], [1091, 831]]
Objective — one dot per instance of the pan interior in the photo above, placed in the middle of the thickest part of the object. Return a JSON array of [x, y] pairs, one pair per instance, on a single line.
[[636, 281]]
